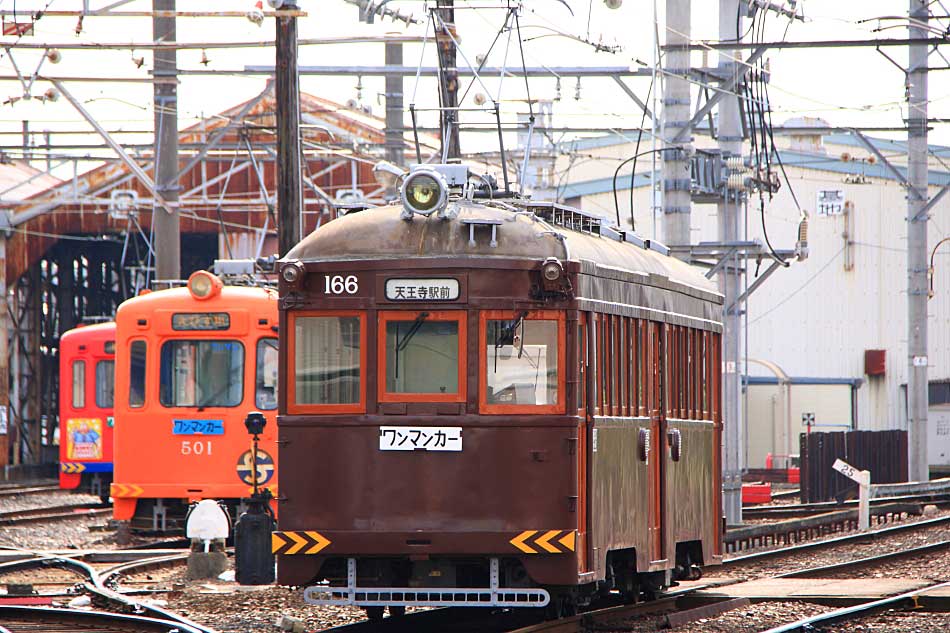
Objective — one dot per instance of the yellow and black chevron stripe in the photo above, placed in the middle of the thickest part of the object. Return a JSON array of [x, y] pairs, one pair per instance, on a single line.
[[72, 467], [304, 542], [545, 541]]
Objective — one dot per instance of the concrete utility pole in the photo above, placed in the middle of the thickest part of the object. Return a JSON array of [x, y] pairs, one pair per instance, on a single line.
[[675, 117], [6, 431], [287, 96], [167, 225], [917, 387], [449, 84], [730, 140], [395, 125]]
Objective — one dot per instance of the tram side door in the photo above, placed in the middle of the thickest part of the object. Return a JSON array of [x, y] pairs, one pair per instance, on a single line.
[[656, 356]]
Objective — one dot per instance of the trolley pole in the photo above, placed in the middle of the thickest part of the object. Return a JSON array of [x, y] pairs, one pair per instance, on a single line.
[[287, 96], [917, 215], [675, 117], [730, 140], [165, 97]]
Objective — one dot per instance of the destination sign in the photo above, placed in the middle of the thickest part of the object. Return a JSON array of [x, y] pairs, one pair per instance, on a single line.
[[422, 289], [201, 321]]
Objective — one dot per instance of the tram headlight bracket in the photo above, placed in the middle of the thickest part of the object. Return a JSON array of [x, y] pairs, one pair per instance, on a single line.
[[424, 192]]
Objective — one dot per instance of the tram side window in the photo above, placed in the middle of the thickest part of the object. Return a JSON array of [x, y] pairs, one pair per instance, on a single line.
[[199, 373], [105, 384], [327, 365], [79, 384], [522, 362], [137, 353], [265, 384], [582, 366]]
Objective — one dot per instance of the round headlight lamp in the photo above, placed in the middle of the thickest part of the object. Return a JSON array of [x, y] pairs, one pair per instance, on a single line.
[[203, 285], [552, 269], [292, 274], [425, 192]]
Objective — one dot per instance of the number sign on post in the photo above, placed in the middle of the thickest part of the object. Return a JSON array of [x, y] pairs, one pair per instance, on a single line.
[[863, 479]]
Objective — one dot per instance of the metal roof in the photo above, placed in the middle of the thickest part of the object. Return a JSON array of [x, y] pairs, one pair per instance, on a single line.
[[380, 233]]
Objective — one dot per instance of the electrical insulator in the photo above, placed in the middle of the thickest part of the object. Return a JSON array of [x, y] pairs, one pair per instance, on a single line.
[[256, 14], [54, 56]]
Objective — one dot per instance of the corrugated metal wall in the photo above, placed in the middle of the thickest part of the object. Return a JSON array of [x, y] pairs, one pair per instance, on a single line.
[[884, 453]]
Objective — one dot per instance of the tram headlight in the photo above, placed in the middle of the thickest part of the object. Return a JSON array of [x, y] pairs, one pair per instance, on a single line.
[[425, 192], [553, 278], [552, 270], [203, 285], [292, 274]]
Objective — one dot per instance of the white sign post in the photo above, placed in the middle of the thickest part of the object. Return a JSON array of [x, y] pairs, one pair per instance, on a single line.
[[863, 479]]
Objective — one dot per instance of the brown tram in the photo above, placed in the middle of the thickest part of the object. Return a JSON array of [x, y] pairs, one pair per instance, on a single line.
[[493, 403]]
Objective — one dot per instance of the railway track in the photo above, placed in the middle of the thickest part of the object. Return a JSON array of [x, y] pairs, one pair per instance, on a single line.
[[815, 526], [124, 613], [832, 542], [23, 619], [917, 599], [54, 513], [10, 491], [808, 509]]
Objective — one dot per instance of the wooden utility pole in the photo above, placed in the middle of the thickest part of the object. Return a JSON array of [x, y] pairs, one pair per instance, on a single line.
[[448, 78], [917, 214], [287, 96], [167, 235]]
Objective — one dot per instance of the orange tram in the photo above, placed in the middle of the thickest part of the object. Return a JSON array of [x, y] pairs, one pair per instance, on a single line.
[[190, 363], [86, 379]]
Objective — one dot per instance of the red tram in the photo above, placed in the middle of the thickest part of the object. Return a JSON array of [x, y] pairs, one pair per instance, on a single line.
[[190, 363], [86, 390], [492, 403]]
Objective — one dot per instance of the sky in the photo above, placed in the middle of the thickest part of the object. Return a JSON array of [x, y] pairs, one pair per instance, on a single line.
[[846, 87]]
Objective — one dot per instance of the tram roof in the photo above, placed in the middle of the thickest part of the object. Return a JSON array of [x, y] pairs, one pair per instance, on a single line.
[[181, 299], [521, 233]]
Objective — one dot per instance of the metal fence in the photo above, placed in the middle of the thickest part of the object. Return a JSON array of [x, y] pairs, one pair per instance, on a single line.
[[884, 453]]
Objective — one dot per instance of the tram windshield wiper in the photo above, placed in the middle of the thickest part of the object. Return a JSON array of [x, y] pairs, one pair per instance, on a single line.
[[401, 345], [506, 336]]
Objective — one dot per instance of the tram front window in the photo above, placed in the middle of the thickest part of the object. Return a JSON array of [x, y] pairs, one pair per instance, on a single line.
[[202, 374], [422, 356], [521, 362]]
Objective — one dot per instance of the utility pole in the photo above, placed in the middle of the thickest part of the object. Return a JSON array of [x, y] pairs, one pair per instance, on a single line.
[[448, 78], [730, 141], [166, 220], [287, 96], [395, 125], [676, 115], [917, 387]]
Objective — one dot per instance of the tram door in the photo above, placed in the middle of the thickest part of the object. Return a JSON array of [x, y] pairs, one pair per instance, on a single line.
[[656, 356]]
